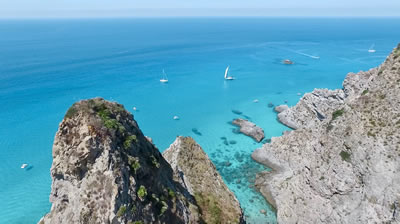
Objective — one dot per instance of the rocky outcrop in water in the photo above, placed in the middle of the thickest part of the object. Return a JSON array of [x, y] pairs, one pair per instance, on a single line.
[[106, 171], [342, 164], [250, 129], [281, 108], [194, 170]]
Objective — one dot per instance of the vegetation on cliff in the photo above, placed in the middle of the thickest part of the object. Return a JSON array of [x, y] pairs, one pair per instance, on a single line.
[[106, 171], [216, 202]]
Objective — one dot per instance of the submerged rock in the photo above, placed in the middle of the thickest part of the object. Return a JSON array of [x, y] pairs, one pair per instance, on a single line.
[[197, 132], [232, 142], [250, 129], [342, 163], [194, 169], [237, 112]]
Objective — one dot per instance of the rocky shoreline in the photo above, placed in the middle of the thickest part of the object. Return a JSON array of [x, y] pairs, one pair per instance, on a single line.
[[342, 162], [339, 165]]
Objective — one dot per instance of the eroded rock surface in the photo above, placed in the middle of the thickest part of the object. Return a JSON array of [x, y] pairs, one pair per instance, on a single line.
[[342, 164], [313, 108], [250, 129], [106, 171], [194, 170]]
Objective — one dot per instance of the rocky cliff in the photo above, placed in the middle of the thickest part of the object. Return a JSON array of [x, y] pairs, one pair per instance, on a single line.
[[106, 171], [342, 163], [194, 170]]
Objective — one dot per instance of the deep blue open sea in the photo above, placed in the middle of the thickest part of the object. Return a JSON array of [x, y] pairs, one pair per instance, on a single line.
[[46, 65]]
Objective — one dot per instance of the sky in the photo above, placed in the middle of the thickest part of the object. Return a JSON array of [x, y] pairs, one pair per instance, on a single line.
[[167, 8]]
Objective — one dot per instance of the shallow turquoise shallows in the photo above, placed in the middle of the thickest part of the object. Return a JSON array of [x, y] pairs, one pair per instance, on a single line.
[[45, 66]]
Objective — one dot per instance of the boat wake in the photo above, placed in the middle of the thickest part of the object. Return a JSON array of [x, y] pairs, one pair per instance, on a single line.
[[307, 55]]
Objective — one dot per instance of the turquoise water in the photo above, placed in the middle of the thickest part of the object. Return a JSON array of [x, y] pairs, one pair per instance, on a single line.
[[45, 66]]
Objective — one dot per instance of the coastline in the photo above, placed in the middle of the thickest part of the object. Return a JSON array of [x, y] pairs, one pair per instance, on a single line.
[[87, 62], [325, 163]]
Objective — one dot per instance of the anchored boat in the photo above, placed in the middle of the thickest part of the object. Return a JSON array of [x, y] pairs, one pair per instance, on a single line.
[[164, 78]]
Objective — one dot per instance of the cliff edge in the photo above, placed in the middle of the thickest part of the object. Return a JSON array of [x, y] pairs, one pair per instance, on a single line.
[[194, 170], [342, 163], [105, 170]]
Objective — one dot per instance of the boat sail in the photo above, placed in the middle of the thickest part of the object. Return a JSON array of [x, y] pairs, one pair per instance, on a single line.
[[164, 78], [227, 77]]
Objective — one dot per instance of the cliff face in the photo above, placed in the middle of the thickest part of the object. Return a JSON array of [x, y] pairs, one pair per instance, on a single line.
[[342, 163], [194, 170], [106, 171]]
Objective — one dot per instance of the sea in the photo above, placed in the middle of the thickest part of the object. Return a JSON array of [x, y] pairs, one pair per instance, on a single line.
[[47, 65]]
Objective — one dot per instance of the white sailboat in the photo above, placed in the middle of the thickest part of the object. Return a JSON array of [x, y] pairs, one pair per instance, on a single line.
[[371, 49], [227, 77], [164, 78]]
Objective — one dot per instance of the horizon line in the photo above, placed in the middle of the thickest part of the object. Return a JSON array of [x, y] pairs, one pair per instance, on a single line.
[[203, 17], [202, 13]]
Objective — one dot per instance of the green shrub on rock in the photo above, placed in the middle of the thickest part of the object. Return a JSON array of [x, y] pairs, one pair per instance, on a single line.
[[364, 92], [142, 192], [128, 141], [397, 52], [109, 122], [121, 211], [171, 193], [163, 208], [345, 156], [210, 208], [337, 114], [134, 163], [71, 112], [135, 222], [154, 162]]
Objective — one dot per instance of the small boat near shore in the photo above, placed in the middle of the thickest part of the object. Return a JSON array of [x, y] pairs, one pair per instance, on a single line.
[[287, 62], [23, 166]]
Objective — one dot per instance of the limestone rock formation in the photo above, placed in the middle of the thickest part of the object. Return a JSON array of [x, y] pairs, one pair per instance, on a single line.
[[194, 170], [250, 129], [281, 108], [342, 164], [313, 107], [105, 171]]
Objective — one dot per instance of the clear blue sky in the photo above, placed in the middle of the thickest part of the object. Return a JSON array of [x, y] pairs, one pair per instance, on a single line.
[[125, 8]]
